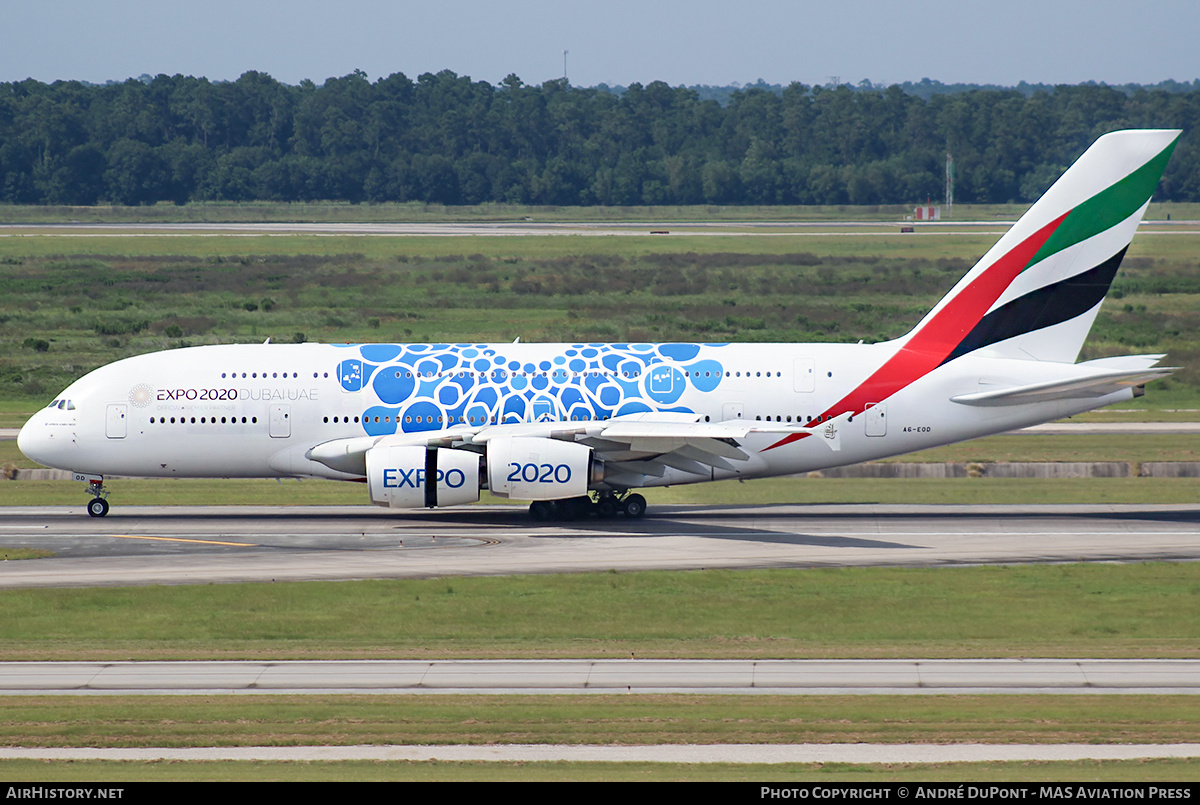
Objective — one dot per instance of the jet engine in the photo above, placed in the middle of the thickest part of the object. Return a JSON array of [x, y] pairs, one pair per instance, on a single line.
[[410, 477], [528, 468]]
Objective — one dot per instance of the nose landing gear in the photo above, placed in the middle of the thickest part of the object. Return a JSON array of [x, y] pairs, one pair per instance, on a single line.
[[98, 505]]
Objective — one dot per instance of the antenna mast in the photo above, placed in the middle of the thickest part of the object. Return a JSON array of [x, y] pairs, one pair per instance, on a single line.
[[949, 184]]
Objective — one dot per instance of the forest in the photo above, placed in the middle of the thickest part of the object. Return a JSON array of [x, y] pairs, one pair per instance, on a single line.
[[447, 139]]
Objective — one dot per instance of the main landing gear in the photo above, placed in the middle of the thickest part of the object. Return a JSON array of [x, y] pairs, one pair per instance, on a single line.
[[98, 505], [604, 506]]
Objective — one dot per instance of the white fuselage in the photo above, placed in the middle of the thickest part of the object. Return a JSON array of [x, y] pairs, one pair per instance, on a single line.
[[257, 410]]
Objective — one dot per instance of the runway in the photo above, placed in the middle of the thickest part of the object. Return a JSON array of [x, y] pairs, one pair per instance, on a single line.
[[583, 676], [214, 544]]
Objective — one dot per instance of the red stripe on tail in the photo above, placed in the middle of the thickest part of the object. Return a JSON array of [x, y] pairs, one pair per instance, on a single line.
[[928, 347]]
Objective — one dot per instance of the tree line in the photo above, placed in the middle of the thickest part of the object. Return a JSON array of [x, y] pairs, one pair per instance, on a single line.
[[444, 138]]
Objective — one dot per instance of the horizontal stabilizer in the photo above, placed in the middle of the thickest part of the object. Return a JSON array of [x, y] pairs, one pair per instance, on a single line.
[[1093, 385]]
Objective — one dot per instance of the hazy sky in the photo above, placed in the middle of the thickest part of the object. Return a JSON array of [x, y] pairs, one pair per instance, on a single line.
[[617, 42]]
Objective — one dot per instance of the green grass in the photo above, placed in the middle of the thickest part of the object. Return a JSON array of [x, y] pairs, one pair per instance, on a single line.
[[15, 554], [1070, 447], [1092, 610], [930, 245], [617, 720], [981, 491], [69, 304]]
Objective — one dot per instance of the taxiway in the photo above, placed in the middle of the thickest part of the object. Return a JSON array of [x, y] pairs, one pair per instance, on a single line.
[[590, 676], [195, 545]]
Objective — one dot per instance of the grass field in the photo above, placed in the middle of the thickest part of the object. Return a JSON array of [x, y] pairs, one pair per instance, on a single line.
[[326, 720], [72, 301], [1090, 610]]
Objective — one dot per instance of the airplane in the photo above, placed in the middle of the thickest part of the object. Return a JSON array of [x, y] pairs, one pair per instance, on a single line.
[[575, 428]]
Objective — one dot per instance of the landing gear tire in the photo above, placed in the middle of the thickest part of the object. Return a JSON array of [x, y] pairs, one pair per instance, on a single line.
[[634, 506], [580, 508], [607, 507], [98, 507], [574, 508]]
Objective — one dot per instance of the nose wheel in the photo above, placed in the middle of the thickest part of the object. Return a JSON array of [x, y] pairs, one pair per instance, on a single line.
[[97, 506]]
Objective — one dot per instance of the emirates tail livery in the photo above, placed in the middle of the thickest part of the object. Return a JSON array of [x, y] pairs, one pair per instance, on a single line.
[[575, 427]]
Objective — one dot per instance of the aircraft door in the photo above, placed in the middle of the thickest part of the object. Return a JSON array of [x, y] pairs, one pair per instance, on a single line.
[[116, 422], [281, 421], [876, 419], [805, 374], [731, 410]]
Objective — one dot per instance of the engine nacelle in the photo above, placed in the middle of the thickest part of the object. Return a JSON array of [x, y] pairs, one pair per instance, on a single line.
[[408, 477], [529, 468]]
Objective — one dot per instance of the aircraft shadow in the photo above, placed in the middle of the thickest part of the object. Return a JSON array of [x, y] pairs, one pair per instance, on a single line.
[[750, 523]]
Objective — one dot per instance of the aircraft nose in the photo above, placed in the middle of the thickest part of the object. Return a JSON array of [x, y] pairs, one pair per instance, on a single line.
[[41, 443], [28, 437]]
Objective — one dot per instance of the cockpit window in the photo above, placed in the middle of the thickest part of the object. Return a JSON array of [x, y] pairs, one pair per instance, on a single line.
[[70, 405], [54, 404], [62, 404]]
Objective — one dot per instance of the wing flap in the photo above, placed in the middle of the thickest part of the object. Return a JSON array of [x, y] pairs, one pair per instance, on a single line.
[[676, 461]]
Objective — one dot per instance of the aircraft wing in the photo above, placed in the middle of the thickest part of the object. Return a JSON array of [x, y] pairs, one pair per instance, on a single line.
[[634, 451], [633, 447]]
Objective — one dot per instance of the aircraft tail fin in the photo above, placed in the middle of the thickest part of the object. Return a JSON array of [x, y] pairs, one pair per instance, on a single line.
[[1035, 294]]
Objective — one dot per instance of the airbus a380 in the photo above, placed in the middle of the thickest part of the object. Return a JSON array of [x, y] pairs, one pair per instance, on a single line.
[[574, 428]]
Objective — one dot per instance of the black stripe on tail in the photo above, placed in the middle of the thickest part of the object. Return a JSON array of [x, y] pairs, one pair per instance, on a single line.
[[1045, 307]]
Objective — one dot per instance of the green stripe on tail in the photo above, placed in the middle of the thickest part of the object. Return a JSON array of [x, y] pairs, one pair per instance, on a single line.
[[1107, 208]]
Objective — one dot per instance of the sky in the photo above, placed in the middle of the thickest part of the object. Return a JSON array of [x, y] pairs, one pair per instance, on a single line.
[[615, 42]]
